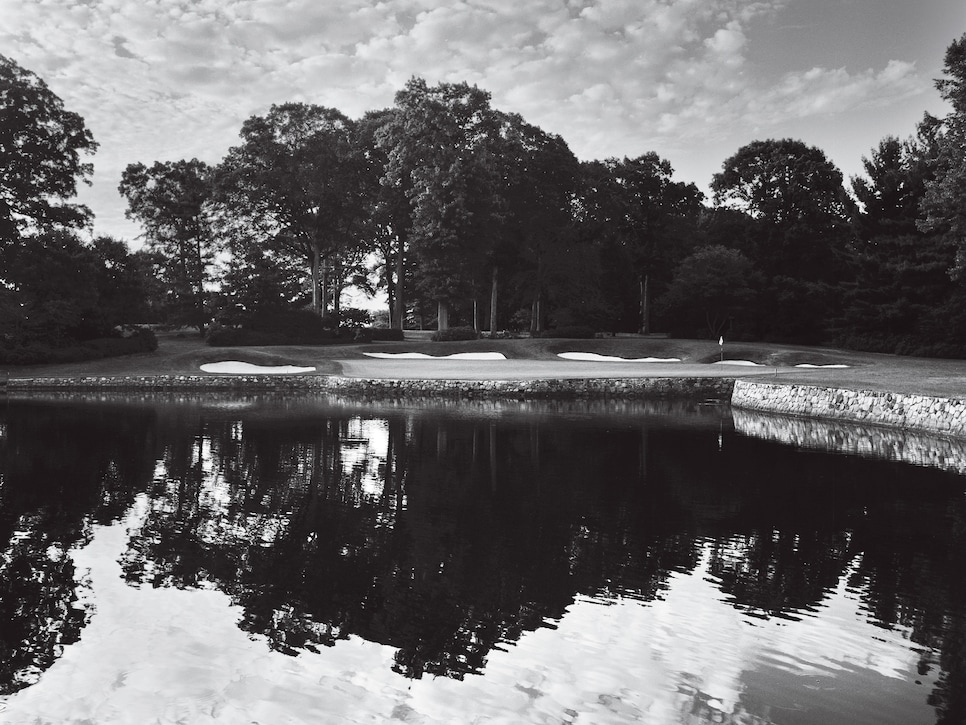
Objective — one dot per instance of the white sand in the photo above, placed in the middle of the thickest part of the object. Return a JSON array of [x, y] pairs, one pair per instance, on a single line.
[[809, 365], [235, 367], [424, 356], [594, 357], [747, 363]]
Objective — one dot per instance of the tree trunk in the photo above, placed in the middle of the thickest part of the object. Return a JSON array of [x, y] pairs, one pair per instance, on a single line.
[[399, 318], [476, 315], [325, 287], [645, 306], [336, 287], [536, 323], [316, 306], [494, 284], [442, 318]]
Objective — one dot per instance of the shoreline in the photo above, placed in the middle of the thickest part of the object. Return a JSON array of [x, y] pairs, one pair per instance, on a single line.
[[940, 415]]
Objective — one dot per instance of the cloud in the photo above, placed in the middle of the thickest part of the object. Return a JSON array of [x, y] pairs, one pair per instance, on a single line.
[[172, 79]]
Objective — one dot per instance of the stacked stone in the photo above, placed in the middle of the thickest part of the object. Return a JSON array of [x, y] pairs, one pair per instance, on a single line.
[[616, 388], [906, 411]]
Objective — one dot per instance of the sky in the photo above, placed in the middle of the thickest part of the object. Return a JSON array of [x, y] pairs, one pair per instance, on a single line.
[[693, 80]]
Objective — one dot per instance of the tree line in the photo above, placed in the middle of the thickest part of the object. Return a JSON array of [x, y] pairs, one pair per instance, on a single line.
[[463, 214]]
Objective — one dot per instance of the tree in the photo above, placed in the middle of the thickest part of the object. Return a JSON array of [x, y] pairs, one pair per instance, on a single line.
[[797, 196], [51, 297], [170, 200], [900, 298], [40, 156], [442, 144], [125, 283], [390, 216], [710, 288], [640, 219], [299, 177], [539, 245], [782, 181], [944, 203]]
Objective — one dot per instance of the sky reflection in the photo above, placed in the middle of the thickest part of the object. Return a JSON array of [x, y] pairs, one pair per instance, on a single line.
[[167, 655]]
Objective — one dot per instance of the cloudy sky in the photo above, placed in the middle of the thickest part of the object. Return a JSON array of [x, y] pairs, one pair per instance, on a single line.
[[693, 80]]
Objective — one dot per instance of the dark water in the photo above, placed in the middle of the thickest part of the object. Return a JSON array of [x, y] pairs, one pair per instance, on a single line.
[[311, 560]]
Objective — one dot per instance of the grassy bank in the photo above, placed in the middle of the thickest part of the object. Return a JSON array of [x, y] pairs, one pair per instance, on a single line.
[[183, 355]]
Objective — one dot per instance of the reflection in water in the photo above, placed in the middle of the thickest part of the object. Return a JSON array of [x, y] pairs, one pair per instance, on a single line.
[[921, 449], [645, 564]]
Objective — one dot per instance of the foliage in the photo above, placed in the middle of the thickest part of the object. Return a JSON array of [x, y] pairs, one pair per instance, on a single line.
[[354, 317], [454, 334], [574, 332], [944, 203], [271, 327], [643, 223], [40, 150], [784, 181], [796, 196], [169, 199], [538, 257], [385, 334], [52, 296], [141, 340], [710, 289], [442, 145], [256, 280], [300, 180]]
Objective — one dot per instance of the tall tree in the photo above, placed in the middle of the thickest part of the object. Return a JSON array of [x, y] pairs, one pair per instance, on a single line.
[[390, 215], [41, 144], [299, 173], [797, 195], [170, 200], [443, 146], [900, 298], [642, 220], [538, 243], [944, 203]]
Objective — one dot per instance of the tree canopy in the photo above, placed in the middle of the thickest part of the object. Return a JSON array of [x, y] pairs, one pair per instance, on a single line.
[[41, 145], [299, 172]]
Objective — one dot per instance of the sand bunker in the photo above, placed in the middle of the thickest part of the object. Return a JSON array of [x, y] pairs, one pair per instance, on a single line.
[[235, 367], [594, 357], [424, 356], [809, 365], [748, 363]]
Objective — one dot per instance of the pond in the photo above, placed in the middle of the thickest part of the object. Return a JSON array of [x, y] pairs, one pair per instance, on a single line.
[[272, 560]]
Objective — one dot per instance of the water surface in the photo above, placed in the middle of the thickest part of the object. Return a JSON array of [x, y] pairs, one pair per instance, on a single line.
[[260, 559]]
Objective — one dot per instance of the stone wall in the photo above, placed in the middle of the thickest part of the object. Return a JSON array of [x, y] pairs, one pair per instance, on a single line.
[[908, 412], [605, 388]]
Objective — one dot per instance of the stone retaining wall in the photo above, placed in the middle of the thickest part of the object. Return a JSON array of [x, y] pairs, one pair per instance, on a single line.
[[908, 412], [623, 388]]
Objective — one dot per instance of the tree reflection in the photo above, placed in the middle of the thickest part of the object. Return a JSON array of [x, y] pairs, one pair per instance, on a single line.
[[59, 469], [447, 535]]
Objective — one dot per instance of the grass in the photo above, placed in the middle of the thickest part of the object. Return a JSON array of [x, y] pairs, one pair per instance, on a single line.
[[184, 353]]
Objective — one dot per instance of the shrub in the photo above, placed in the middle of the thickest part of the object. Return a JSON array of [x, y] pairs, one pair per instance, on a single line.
[[294, 326], [385, 334], [575, 332], [141, 340], [454, 334]]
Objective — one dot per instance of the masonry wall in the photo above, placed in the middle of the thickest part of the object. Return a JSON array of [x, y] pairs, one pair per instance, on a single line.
[[606, 388], [909, 412]]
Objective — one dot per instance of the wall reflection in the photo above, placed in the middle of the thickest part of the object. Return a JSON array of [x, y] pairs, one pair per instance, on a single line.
[[449, 532], [921, 449]]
